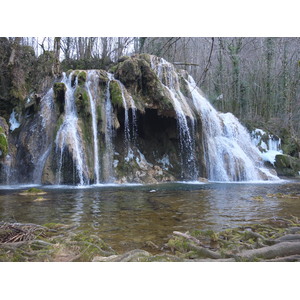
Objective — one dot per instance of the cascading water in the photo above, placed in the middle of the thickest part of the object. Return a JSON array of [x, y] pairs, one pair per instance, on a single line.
[[91, 86], [229, 154], [109, 147], [38, 170], [68, 134], [129, 132], [87, 141], [47, 117], [13, 121], [169, 79], [47, 108], [134, 121], [268, 144]]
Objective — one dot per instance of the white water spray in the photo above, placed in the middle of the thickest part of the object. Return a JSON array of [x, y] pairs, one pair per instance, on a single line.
[[229, 154], [109, 147], [91, 86], [170, 81], [68, 134]]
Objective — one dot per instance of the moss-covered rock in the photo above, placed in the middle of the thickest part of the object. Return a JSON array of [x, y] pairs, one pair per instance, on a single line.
[[3, 144], [116, 94], [33, 192], [287, 165], [17, 76], [59, 89], [81, 78], [143, 84], [82, 102], [3, 126], [123, 58]]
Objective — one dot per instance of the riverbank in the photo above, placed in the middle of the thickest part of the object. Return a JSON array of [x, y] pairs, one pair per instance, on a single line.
[[275, 239]]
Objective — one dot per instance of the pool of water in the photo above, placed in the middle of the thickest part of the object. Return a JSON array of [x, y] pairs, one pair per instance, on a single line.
[[127, 217]]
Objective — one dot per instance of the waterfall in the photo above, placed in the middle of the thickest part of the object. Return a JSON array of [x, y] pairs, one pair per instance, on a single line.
[[229, 153], [68, 134], [39, 167], [91, 86], [169, 79], [126, 118], [268, 144], [129, 131], [109, 147], [13, 121], [196, 140], [134, 121], [47, 108]]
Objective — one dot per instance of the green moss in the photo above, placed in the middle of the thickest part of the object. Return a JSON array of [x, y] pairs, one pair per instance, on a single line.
[[69, 72], [81, 78], [82, 102], [178, 244], [54, 225], [18, 257], [123, 58], [116, 94], [113, 69], [59, 89], [143, 84], [146, 57], [290, 147], [91, 246], [3, 145], [286, 165], [34, 190]]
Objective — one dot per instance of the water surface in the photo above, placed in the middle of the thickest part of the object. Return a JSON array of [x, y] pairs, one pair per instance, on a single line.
[[128, 217]]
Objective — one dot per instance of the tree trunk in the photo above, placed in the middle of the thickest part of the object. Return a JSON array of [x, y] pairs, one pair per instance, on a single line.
[[56, 63]]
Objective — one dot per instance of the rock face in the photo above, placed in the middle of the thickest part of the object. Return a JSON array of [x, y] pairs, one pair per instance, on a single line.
[[142, 122]]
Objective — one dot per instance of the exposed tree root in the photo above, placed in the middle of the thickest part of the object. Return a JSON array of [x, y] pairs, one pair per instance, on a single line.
[[134, 255], [189, 237], [269, 252], [291, 258], [288, 238], [256, 242], [203, 252]]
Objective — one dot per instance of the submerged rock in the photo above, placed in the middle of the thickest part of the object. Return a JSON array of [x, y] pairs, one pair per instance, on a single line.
[[33, 192]]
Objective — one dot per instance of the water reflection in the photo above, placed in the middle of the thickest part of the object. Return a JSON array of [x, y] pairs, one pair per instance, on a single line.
[[127, 217]]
